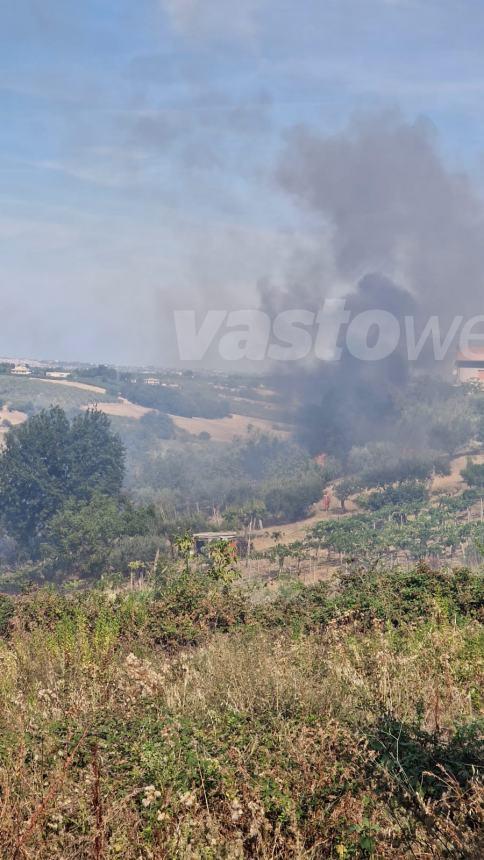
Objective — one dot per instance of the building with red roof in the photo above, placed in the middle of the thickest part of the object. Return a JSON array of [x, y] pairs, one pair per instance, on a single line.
[[469, 366]]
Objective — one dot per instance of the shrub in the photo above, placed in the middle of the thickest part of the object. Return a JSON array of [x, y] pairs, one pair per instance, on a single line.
[[406, 493], [7, 608], [473, 474]]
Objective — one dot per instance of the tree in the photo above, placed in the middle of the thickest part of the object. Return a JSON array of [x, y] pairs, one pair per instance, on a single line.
[[247, 516], [47, 462], [79, 538], [396, 495], [345, 489], [96, 456], [473, 474], [34, 474], [88, 537], [279, 553], [291, 499]]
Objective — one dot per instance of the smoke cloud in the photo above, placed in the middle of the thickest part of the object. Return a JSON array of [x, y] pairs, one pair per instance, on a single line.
[[399, 232], [390, 206]]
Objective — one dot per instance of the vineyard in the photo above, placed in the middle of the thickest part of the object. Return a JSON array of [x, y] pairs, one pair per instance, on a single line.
[[443, 530]]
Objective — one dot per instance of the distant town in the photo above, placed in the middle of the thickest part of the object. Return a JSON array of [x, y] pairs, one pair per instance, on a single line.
[[468, 368]]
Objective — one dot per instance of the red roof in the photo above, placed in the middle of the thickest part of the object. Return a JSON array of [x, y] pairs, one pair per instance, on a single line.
[[471, 355]]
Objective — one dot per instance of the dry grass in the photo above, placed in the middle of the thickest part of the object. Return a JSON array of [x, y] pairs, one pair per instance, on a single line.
[[254, 745], [122, 409], [226, 429]]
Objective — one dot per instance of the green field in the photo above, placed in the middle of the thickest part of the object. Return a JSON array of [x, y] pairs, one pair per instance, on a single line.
[[31, 395]]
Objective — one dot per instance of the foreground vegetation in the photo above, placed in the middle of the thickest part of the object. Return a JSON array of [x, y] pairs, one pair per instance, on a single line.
[[195, 719], [196, 716]]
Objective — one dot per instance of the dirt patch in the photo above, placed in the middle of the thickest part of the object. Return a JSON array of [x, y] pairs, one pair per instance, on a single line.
[[122, 409], [453, 483], [226, 429], [293, 532], [296, 531], [72, 384], [13, 417]]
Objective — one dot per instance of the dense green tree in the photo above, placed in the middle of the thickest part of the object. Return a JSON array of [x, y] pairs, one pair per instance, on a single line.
[[34, 474], [102, 372], [292, 499], [161, 426], [91, 537], [47, 462], [96, 456], [79, 538]]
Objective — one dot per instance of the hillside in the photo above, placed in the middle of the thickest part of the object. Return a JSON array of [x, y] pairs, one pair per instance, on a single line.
[[309, 689]]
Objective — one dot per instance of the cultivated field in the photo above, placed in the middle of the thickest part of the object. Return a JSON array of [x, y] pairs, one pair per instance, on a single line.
[[19, 392], [122, 409], [226, 429], [83, 386]]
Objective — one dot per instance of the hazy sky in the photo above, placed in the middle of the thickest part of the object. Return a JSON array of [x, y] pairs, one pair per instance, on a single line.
[[140, 141]]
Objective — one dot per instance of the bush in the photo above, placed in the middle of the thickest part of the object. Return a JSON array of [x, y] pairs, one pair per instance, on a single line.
[[160, 425], [473, 474], [406, 493], [7, 608], [424, 757], [291, 500], [399, 596]]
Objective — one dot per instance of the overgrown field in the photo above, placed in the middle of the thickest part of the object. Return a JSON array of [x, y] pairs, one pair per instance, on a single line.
[[197, 720]]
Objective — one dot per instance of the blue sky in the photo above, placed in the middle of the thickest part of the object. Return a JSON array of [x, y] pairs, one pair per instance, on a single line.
[[139, 146]]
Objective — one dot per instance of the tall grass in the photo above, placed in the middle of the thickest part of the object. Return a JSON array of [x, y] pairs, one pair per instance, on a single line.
[[155, 726]]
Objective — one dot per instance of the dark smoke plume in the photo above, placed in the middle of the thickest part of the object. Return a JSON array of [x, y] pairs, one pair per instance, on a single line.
[[402, 233], [392, 207]]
